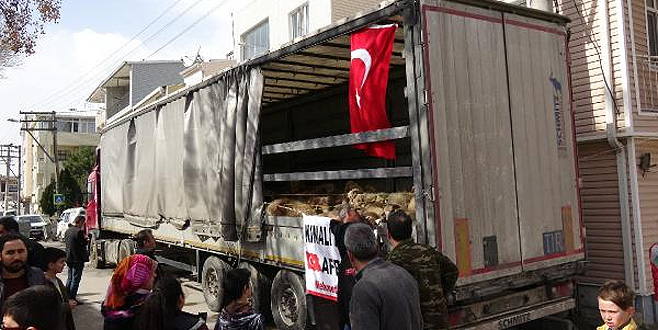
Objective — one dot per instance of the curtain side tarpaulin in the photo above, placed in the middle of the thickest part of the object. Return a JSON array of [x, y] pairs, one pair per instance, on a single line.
[[112, 162], [195, 159]]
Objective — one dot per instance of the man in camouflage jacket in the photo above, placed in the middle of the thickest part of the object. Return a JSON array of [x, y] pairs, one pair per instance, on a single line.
[[435, 273]]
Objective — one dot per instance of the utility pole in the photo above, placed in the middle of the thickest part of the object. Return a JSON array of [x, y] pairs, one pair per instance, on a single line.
[[9, 152], [8, 163], [20, 176], [42, 121]]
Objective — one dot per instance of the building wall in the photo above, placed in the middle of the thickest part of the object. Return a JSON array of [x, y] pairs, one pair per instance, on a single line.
[[585, 45], [600, 206], [38, 170], [276, 12], [647, 76], [145, 77], [344, 8], [647, 183], [28, 162]]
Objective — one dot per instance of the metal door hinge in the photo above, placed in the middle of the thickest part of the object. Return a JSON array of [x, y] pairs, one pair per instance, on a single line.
[[429, 193]]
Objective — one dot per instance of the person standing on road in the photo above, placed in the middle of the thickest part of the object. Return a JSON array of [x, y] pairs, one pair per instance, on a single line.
[[435, 274], [163, 309], [9, 225], [76, 256], [54, 260], [348, 216], [16, 274], [385, 296], [146, 245], [129, 287], [32, 309], [237, 313]]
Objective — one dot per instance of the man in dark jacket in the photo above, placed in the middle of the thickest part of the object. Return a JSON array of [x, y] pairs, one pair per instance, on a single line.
[[16, 274], [435, 274], [346, 273], [76, 256], [385, 296], [9, 225]]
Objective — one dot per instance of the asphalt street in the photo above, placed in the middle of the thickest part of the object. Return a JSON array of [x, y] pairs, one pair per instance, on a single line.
[[94, 285]]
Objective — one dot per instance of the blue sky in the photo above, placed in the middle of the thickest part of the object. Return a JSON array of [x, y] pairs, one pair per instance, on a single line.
[[68, 63]]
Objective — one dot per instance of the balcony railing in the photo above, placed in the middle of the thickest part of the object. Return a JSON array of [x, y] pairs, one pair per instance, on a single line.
[[647, 71]]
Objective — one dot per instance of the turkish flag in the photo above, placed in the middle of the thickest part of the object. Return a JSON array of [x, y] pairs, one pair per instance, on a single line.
[[371, 54]]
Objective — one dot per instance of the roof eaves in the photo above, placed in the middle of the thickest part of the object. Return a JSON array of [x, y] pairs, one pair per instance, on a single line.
[[99, 88]]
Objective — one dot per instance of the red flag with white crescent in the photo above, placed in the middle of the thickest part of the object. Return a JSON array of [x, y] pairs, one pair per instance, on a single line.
[[371, 54]]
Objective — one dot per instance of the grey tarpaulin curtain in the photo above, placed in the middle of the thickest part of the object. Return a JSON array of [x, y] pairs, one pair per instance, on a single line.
[[196, 158], [113, 156]]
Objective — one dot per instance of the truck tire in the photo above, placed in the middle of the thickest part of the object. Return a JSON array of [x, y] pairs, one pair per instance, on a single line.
[[125, 249], [260, 288], [214, 270], [288, 301]]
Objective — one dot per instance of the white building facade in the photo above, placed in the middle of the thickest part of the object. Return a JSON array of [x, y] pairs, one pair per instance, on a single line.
[[74, 130], [265, 25]]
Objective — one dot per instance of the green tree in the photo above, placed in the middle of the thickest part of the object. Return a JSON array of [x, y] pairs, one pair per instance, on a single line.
[[67, 187], [80, 164], [46, 202]]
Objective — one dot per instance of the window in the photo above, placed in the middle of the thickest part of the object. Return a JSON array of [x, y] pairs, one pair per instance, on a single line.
[[652, 26], [256, 41], [76, 126], [63, 155], [299, 21], [63, 126]]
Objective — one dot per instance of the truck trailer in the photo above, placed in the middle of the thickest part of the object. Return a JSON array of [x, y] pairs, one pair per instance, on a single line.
[[479, 101]]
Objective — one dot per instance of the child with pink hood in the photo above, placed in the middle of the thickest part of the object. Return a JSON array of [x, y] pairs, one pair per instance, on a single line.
[[130, 285]]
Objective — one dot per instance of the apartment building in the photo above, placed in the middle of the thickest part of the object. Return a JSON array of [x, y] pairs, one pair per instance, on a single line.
[[133, 83], [42, 146], [264, 25], [613, 48]]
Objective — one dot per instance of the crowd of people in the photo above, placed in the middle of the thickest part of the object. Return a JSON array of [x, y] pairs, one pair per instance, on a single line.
[[402, 286]]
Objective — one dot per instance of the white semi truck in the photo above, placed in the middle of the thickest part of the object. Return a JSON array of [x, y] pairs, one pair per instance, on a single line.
[[479, 100]]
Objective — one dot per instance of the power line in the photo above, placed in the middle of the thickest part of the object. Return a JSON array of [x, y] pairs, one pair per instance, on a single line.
[[49, 98], [598, 53], [188, 28], [84, 84]]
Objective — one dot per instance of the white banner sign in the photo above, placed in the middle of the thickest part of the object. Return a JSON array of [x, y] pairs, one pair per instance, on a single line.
[[322, 258]]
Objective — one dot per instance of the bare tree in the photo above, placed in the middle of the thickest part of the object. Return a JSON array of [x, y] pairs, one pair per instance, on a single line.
[[21, 22]]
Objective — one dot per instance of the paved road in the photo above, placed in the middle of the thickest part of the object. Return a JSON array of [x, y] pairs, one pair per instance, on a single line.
[[94, 285]]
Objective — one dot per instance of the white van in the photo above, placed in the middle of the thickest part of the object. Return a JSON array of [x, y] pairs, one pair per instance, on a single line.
[[66, 218]]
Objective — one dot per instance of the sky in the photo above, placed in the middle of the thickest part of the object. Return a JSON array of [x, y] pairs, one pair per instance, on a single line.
[[91, 40]]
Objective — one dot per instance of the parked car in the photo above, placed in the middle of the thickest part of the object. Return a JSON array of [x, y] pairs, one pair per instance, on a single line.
[[66, 218], [39, 228], [24, 227], [52, 225]]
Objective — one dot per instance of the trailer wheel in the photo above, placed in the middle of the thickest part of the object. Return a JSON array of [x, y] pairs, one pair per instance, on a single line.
[[214, 270], [288, 301], [125, 249], [260, 288]]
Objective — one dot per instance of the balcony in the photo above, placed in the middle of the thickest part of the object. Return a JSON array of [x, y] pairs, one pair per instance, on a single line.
[[647, 71]]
